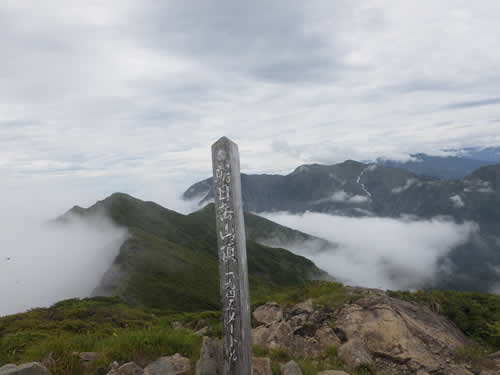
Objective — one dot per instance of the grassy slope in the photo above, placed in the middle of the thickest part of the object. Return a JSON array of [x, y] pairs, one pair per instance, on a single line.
[[171, 260], [125, 332]]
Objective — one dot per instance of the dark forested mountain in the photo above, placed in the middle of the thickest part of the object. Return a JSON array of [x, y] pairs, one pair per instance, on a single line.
[[357, 189], [170, 260]]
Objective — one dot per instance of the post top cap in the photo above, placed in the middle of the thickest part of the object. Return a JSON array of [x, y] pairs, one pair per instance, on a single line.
[[223, 140]]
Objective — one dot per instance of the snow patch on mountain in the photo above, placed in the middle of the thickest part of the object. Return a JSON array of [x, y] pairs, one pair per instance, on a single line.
[[358, 180]]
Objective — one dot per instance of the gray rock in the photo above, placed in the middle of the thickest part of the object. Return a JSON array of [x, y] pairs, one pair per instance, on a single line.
[[129, 368], [460, 371], [332, 372], [181, 364], [277, 336], [114, 365], [305, 307], [327, 337], [210, 362], [87, 357], [7, 367], [268, 313], [354, 353], [161, 366], [495, 355], [31, 368], [291, 368], [261, 366]]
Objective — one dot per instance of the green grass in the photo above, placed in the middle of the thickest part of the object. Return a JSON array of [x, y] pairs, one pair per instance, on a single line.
[[324, 294], [105, 325], [475, 355], [124, 332]]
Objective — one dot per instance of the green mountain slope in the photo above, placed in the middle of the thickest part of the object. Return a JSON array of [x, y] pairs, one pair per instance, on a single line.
[[170, 260]]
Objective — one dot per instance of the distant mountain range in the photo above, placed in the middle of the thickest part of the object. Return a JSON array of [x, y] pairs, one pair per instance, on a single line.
[[464, 162], [442, 167], [490, 154], [357, 189], [170, 260]]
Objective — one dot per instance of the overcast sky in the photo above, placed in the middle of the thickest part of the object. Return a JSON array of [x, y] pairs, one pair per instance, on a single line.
[[128, 95]]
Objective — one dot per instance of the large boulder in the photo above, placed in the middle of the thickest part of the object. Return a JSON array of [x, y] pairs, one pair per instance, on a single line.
[[268, 314], [181, 364], [326, 336], [305, 307], [291, 368], [211, 357], [277, 336], [355, 354], [397, 331], [162, 366], [31, 368], [129, 368], [302, 331], [261, 366]]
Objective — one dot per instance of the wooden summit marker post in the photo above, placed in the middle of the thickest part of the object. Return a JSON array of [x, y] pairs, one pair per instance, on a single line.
[[232, 258]]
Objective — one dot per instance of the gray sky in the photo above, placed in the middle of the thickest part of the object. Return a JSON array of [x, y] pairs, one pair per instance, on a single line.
[[128, 95]]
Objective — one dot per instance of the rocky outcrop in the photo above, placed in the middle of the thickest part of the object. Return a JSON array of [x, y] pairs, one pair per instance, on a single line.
[[268, 314], [376, 331], [182, 365], [394, 331], [300, 330], [261, 366], [161, 366], [355, 354], [129, 368], [32, 368], [291, 368], [210, 362]]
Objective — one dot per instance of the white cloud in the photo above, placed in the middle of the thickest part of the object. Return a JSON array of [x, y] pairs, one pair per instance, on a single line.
[[457, 201], [135, 90], [409, 183], [378, 252], [42, 263], [339, 196], [342, 196]]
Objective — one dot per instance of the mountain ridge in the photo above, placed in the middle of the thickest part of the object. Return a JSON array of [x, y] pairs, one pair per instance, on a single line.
[[173, 257]]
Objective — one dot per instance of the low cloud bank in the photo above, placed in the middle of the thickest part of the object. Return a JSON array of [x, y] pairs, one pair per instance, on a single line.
[[42, 263], [378, 252]]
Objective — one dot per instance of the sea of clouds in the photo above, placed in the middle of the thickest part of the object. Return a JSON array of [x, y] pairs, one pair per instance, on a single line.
[[378, 252]]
